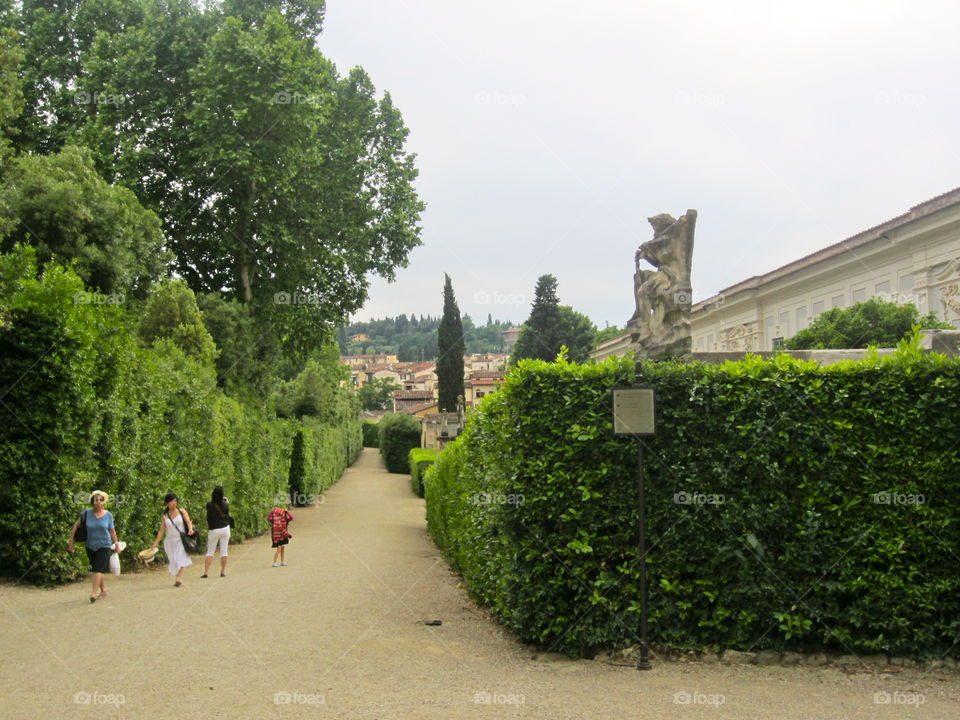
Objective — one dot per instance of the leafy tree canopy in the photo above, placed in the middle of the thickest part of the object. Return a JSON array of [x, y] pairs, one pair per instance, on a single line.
[[876, 322], [552, 326], [172, 312], [279, 182], [377, 394]]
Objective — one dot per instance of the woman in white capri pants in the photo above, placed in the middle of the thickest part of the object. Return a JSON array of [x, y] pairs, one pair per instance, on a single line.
[[219, 522]]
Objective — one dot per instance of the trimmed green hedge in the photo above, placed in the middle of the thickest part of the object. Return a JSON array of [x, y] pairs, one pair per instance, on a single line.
[[420, 459], [371, 434], [398, 435], [789, 506], [86, 406]]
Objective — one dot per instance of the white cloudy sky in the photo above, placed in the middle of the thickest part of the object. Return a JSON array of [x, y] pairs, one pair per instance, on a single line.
[[548, 131]]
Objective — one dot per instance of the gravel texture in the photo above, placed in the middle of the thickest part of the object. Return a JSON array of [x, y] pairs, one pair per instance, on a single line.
[[338, 633]]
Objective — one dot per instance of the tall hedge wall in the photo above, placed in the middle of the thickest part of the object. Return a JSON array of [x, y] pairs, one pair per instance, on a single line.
[[789, 506], [83, 405]]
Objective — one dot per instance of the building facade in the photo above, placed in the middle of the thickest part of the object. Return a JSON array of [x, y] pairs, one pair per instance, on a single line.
[[913, 258]]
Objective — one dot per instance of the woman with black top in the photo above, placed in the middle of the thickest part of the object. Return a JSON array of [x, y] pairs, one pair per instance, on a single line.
[[218, 520]]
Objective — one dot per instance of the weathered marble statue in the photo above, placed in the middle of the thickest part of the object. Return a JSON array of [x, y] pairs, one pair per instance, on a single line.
[[660, 327]]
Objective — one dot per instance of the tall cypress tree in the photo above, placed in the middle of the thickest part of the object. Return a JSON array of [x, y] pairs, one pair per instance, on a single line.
[[450, 350], [540, 337]]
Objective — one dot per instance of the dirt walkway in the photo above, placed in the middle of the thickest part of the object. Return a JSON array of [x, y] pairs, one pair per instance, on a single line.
[[335, 635]]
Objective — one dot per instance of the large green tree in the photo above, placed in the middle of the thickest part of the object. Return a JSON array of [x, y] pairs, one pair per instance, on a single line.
[[279, 183], [577, 333], [450, 350], [540, 336], [875, 322]]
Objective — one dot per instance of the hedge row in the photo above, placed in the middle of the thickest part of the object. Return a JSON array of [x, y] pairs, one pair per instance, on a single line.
[[789, 506], [371, 435], [398, 435], [420, 459], [84, 406]]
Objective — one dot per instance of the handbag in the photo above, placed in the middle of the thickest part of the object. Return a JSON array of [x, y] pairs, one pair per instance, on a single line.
[[81, 534], [190, 543]]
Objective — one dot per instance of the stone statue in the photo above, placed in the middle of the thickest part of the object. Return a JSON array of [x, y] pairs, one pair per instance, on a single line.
[[660, 327]]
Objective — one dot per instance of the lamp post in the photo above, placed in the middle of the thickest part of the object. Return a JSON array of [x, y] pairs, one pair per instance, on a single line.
[[634, 414]]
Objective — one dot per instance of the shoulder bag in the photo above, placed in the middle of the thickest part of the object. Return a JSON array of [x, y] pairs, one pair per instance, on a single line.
[[190, 543], [81, 534]]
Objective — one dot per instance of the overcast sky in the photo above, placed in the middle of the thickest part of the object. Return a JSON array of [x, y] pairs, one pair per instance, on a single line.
[[548, 131]]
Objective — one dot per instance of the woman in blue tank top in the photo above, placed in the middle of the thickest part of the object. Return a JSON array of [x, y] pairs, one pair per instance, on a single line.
[[101, 541]]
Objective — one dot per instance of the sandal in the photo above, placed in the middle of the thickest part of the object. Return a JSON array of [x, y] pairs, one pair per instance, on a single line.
[[93, 599], [177, 583], [223, 574], [204, 575], [101, 596]]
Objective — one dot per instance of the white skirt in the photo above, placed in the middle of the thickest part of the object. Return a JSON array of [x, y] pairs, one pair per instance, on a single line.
[[173, 546]]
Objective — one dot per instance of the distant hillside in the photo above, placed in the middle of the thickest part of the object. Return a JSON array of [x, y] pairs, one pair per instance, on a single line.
[[413, 338]]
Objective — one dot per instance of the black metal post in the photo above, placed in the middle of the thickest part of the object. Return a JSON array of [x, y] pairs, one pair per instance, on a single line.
[[644, 662]]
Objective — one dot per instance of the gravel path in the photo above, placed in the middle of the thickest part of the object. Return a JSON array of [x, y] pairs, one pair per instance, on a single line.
[[336, 635]]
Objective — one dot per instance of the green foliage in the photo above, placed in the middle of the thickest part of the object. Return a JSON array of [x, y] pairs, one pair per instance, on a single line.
[[371, 434], [377, 394], [317, 390], [172, 313], [876, 322], [87, 404], [420, 459], [540, 335], [789, 506], [416, 339], [450, 350], [577, 334], [298, 471], [608, 333], [278, 181], [398, 435], [59, 204], [552, 326]]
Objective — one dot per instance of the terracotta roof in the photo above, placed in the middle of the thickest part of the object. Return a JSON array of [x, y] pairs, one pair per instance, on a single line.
[[487, 374], [483, 381], [412, 409], [413, 394], [951, 197]]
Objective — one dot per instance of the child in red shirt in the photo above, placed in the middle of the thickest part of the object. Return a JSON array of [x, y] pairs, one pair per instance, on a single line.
[[279, 518]]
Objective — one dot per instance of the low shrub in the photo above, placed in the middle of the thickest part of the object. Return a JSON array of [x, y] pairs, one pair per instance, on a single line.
[[398, 435], [419, 460], [371, 435]]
